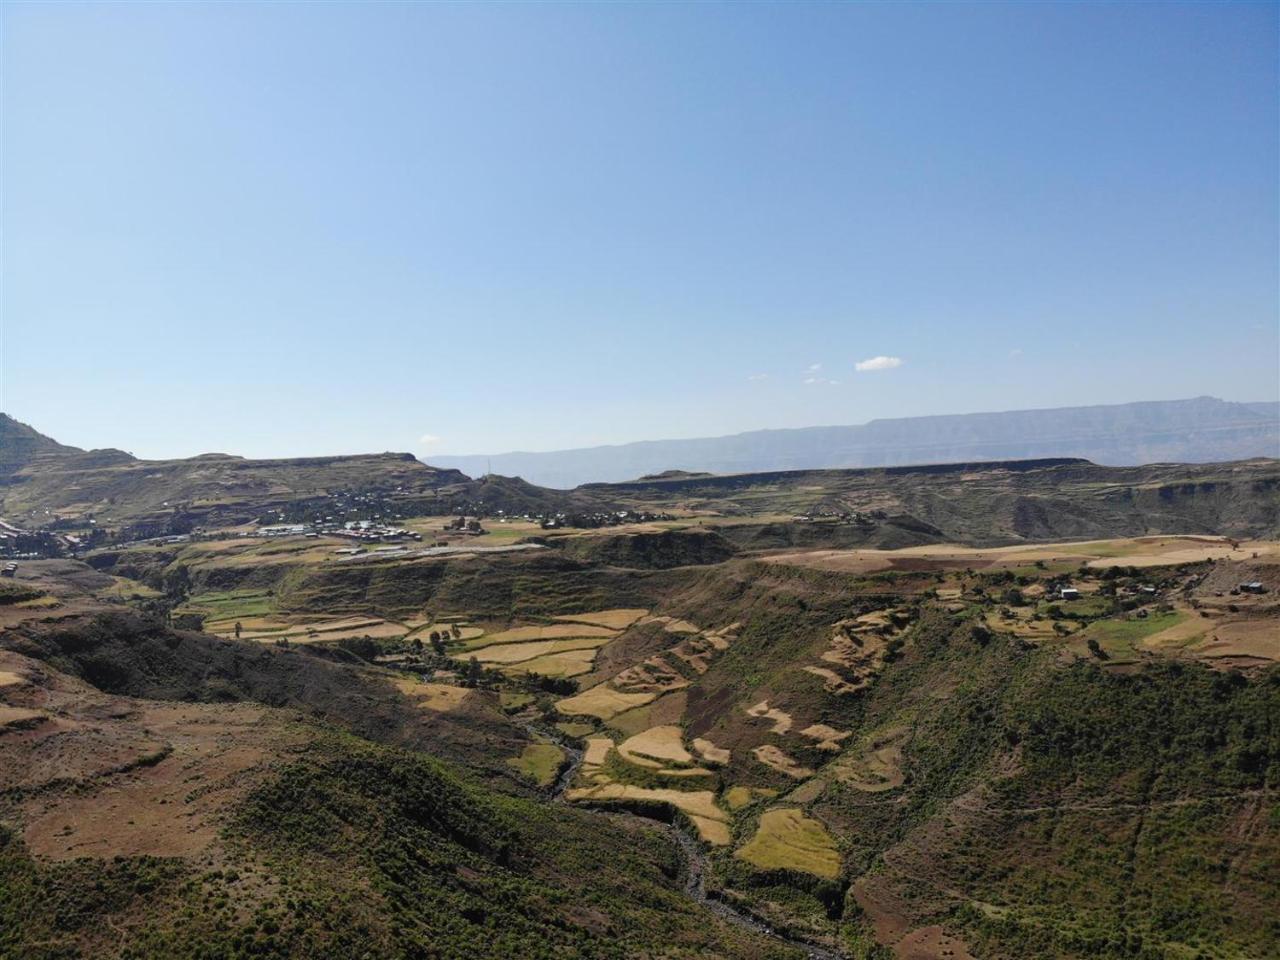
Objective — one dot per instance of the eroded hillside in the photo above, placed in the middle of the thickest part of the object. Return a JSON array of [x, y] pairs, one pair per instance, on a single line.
[[361, 706], [1058, 749]]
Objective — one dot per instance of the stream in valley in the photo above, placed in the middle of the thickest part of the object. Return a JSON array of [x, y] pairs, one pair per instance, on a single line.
[[695, 857]]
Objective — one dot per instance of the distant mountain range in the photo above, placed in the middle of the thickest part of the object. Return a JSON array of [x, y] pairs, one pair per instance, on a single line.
[[1200, 430], [891, 465]]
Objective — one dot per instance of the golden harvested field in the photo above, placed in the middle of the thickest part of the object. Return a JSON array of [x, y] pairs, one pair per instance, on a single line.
[[714, 832], [254, 551], [771, 756], [552, 632], [1193, 626], [656, 743], [13, 716], [1133, 551], [1163, 551], [680, 626], [710, 752], [540, 762], [598, 749], [381, 631], [613, 619], [436, 697], [519, 652], [572, 663], [788, 840], [739, 797], [1020, 623], [834, 683], [698, 805], [668, 708], [602, 702], [309, 631], [671, 624], [1212, 634], [1247, 639], [828, 737], [781, 721]]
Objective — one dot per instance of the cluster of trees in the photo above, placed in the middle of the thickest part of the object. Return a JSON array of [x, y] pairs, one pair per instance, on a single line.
[[41, 542]]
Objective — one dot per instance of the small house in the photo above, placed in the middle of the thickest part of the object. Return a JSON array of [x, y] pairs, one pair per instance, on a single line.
[[1252, 586], [1068, 593]]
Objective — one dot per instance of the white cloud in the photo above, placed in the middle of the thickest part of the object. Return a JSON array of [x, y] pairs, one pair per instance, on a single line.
[[815, 367], [1015, 353], [821, 380], [758, 376], [877, 363], [428, 440]]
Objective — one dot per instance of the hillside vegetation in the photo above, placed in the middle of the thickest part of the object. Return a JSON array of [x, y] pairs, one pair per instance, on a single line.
[[990, 501], [836, 714]]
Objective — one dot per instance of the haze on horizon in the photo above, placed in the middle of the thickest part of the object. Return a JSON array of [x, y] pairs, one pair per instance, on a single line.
[[279, 230]]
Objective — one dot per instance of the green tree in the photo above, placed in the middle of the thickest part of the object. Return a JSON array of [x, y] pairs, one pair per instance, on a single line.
[[177, 582]]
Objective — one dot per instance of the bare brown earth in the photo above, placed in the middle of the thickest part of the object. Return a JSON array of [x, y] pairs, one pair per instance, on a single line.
[[772, 756], [155, 777], [69, 589], [931, 943], [111, 776]]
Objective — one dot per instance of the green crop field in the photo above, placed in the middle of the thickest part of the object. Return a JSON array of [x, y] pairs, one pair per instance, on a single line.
[[1119, 638]]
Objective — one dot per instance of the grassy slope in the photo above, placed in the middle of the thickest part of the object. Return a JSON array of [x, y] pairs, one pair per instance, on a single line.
[[125, 654], [1048, 809], [981, 502], [356, 849], [352, 847], [1070, 812]]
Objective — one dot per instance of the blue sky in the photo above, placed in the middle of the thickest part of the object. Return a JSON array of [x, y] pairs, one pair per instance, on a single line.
[[290, 228]]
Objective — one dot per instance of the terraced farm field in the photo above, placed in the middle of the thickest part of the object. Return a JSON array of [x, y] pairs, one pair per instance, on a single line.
[[926, 751], [1135, 551], [788, 840]]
